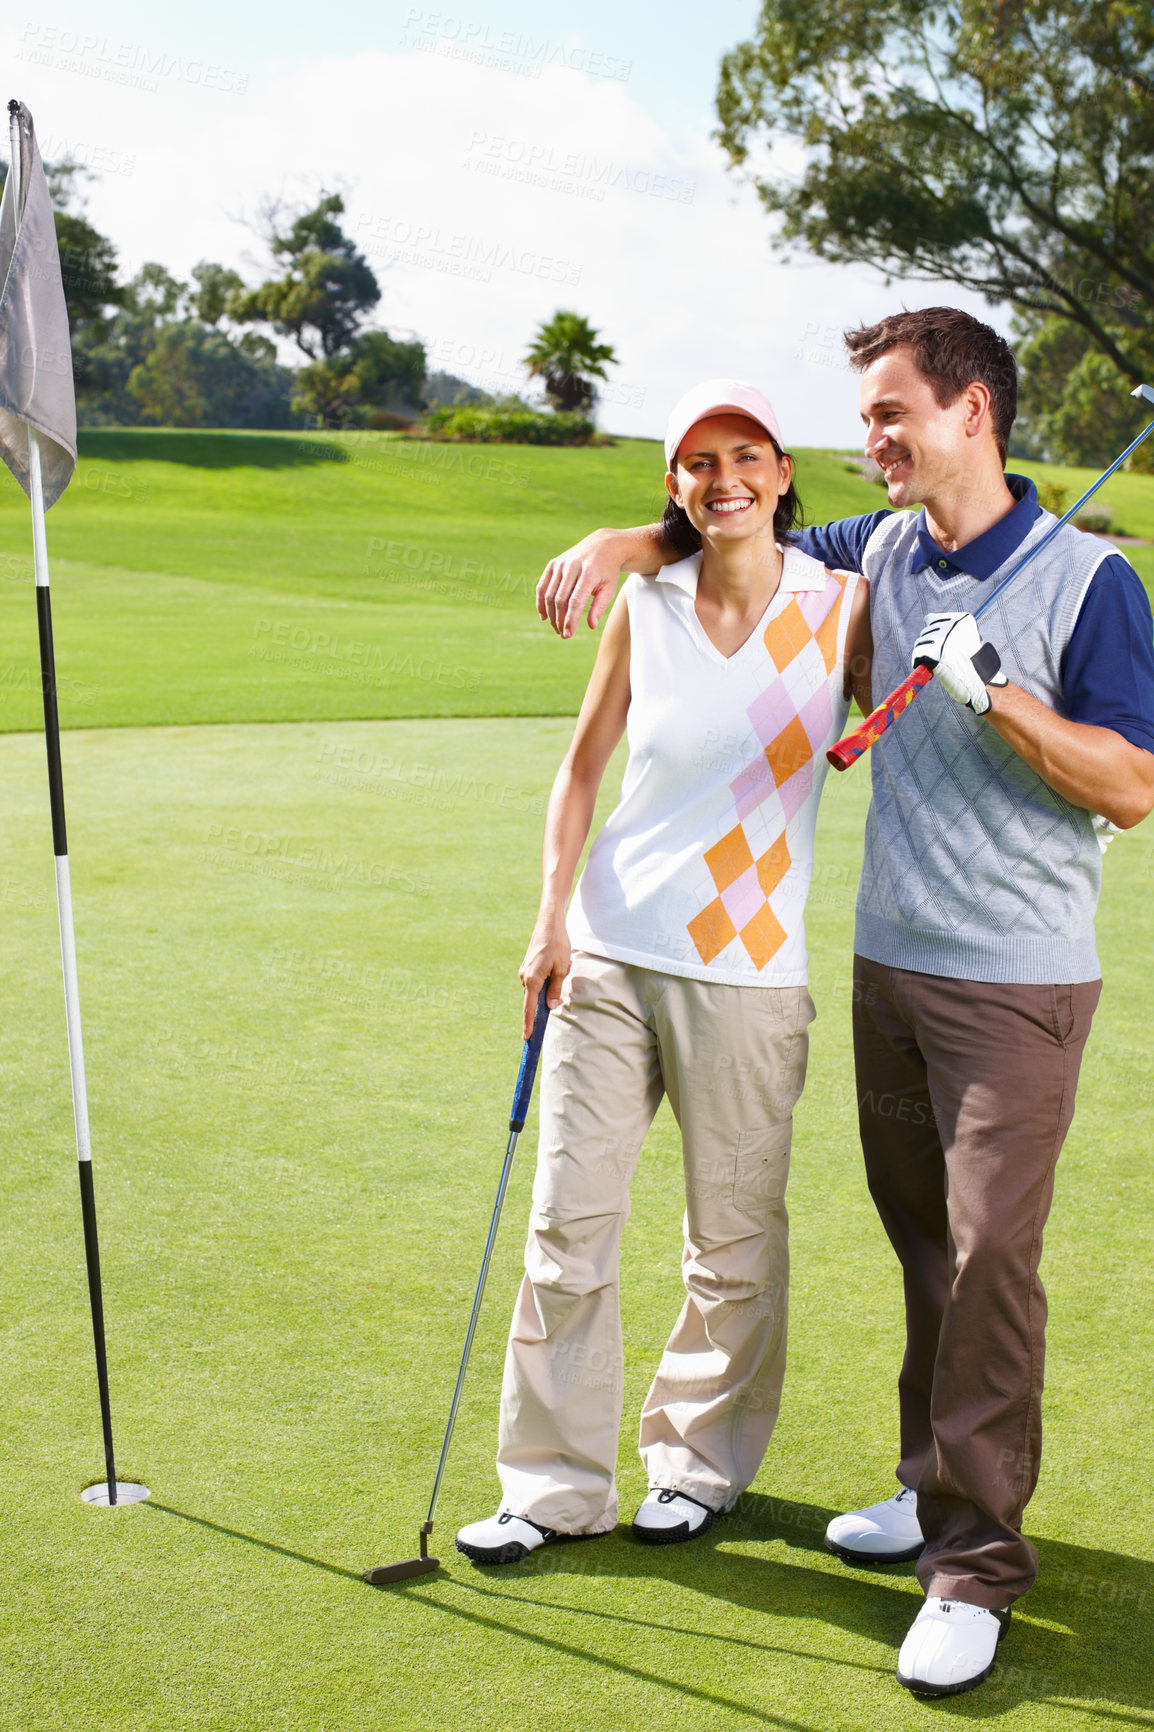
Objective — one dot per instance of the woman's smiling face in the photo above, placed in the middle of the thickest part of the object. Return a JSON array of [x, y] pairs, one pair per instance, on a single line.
[[728, 477]]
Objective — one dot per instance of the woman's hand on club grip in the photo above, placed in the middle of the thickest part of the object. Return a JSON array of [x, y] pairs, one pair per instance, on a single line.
[[548, 958]]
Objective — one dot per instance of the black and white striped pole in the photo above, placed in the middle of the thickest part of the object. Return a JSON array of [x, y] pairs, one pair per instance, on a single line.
[[109, 1494]]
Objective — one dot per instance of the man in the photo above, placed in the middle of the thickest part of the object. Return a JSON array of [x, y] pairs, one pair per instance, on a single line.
[[976, 975]]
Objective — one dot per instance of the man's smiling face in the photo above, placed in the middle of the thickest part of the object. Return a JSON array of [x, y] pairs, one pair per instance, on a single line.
[[919, 446]]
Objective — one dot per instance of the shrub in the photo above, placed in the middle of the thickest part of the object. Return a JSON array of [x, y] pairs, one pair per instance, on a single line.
[[1093, 522], [508, 422], [389, 421]]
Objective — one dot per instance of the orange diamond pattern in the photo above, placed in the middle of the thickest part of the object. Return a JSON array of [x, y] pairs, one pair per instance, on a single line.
[[826, 635], [773, 866], [788, 752], [786, 636], [763, 936], [729, 858], [712, 930]]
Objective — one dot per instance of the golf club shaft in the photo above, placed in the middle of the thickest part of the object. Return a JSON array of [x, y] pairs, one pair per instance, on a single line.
[[521, 1096], [510, 1151], [855, 745]]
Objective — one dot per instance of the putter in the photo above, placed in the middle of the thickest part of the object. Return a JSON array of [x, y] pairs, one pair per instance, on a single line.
[[420, 1566], [853, 746]]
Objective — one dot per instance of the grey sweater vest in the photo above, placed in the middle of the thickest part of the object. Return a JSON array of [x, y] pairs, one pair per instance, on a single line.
[[974, 868]]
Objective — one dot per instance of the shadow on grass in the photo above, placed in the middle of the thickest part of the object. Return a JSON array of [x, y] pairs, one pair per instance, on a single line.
[[1083, 1636], [710, 1697], [232, 449], [251, 1540]]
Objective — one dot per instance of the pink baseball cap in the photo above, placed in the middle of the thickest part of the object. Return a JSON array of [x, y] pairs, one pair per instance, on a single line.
[[712, 398]]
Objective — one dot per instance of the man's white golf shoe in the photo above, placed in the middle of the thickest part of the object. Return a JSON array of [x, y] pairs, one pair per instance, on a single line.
[[950, 1647], [503, 1539], [885, 1533], [669, 1516]]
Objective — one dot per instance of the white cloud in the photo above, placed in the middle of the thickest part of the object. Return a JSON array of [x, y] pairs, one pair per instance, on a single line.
[[484, 199]]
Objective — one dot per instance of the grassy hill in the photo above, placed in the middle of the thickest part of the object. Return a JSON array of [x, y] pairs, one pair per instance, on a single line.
[[219, 577], [225, 577]]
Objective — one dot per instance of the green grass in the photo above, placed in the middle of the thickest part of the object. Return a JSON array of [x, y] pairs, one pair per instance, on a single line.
[[224, 577], [298, 950], [1129, 499]]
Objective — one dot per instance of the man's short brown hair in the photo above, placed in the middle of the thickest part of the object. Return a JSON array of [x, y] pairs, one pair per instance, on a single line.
[[952, 349]]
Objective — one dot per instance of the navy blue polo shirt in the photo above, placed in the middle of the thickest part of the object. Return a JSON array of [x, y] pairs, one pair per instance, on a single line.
[[1108, 669]]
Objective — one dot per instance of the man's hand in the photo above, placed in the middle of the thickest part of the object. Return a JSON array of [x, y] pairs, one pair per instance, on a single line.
[[589, 570], [589, 573], [951, 647]]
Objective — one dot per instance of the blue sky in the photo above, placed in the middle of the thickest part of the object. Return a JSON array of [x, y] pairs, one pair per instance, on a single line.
[[497, 162]]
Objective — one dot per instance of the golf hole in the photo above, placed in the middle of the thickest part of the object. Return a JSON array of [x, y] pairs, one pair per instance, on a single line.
[[127, 1491]]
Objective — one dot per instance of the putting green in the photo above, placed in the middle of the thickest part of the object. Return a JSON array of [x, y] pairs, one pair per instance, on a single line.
[[297, 951]]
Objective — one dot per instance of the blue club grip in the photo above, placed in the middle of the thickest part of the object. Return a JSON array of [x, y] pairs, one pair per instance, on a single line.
[[527, 1074]]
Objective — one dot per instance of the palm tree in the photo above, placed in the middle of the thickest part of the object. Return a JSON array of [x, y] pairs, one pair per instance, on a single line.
[[564, 351]]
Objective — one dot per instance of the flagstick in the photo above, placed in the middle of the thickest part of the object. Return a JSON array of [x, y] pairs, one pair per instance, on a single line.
[[68, 948], [107, 1493]]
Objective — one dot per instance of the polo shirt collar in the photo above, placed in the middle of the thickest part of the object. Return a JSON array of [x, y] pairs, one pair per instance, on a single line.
[[798, 572], [984, 555]]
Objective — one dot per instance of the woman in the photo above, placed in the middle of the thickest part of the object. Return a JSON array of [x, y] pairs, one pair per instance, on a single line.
[[681, 970]]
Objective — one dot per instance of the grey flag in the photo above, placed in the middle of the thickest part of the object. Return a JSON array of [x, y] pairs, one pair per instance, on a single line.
[[36, 388]]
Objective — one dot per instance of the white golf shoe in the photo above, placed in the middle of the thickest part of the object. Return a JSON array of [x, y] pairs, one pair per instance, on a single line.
[[951, 1647], [502, 1539], [669, 1516], [885, 1533]]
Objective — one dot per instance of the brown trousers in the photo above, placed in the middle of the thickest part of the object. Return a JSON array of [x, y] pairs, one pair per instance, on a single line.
[[965, 1095]]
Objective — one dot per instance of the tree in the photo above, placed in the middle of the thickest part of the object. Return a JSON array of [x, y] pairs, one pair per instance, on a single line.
[[194, 376], [326, 289], [1006, 146], [106, 349], [564, 352], [391, 373], [375, 372], [328, 392], [215, 289], [1071, 407], [87, 258]]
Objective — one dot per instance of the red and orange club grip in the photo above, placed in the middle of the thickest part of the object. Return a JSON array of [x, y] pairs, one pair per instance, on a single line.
[[855, 745]]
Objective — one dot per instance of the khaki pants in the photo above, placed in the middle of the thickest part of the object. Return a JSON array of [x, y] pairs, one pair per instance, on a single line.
[[965, 1094], [732, 1061]]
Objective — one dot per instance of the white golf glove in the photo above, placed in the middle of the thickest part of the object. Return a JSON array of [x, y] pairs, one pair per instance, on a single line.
[[951, 647], [1104, 830]]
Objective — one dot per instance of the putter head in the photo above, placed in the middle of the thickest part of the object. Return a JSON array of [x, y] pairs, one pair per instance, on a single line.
[[1146, 392], [400, 1572]]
